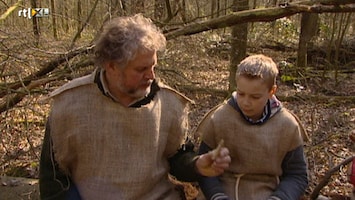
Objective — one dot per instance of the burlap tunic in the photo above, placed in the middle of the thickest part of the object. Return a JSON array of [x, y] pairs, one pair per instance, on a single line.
[[257, 151], [115, 152]]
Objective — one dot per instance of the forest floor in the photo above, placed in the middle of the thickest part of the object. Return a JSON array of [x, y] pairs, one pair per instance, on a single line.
[[326, 108]]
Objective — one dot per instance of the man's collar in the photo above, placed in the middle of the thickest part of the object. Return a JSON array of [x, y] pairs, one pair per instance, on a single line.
[[100, 80]]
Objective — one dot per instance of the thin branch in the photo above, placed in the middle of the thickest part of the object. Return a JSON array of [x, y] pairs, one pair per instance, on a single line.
[[10, 10], [84, 25], [327, 176]]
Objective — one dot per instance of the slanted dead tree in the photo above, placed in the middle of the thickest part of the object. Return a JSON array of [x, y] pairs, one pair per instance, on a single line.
[[13, 93]]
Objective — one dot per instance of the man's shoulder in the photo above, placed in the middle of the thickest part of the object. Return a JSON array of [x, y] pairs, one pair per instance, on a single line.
[[75, 83], [167, 90]]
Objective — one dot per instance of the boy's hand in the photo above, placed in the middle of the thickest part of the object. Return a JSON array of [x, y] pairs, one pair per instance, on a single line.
[[214, 162]]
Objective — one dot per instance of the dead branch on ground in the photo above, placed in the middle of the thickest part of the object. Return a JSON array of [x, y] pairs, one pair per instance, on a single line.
[[327, 177]]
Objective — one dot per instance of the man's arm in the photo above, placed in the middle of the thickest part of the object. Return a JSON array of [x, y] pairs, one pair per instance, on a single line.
[[187, 166], [211, 186], [182, 164], [53, 184]]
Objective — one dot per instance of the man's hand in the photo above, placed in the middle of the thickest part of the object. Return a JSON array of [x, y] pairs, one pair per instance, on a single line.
[[214, 162]]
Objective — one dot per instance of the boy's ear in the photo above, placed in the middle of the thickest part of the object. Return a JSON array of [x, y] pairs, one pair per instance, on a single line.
[[273, 90]]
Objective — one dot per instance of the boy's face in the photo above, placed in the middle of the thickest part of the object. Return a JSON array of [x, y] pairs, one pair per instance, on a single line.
[[252, 96]]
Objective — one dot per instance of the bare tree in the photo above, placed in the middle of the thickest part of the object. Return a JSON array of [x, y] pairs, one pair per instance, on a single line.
[[137, 6], [65, 16], [35, 25], [238, 42], [309, 28], [54, 20], [79, 20], [159, 6], [213, 8]]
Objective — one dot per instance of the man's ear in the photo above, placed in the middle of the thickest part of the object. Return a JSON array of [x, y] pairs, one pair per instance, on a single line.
[[109, 66], [273, 90]]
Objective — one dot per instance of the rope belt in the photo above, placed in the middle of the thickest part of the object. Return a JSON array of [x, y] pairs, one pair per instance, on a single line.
[[247, 176], [238, 177]]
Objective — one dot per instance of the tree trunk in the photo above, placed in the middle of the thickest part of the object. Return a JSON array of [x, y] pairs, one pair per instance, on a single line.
[[309, 28], [218, 9], [159, 6], [65, 18], [238, 43], [343, 26], [79, 12], [138, 6], [213, 8], [182, 8], [169, 11], [54, 21], [35, 25]]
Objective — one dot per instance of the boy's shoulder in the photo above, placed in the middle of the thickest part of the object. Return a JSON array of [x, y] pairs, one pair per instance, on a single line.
[[220, 111], [288, 115]]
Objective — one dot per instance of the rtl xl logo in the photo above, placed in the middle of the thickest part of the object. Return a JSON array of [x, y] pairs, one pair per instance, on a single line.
[[34, 12]]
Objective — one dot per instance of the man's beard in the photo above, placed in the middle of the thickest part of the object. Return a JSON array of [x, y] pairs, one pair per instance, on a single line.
[[137, 92]]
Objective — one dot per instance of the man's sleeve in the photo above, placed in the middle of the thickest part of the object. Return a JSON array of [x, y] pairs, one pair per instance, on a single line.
[[182, 164], [211, 187], [53, 184]]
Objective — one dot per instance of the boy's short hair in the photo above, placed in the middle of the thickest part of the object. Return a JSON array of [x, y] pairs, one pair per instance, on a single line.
[[258, 66]]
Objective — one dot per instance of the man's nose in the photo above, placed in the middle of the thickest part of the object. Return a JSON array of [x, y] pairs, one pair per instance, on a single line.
[[150, 74]]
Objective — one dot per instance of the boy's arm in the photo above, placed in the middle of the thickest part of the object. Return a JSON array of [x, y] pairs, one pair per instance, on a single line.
[[211, 186], [53, 184], [294, 179]]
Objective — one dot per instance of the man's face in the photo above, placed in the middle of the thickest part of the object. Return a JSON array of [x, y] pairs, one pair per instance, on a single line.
[[133, 81], [253, 94]]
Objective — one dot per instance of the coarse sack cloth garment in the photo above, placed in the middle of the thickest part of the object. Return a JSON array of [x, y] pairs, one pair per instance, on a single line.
[[261, 147], [115, 152]]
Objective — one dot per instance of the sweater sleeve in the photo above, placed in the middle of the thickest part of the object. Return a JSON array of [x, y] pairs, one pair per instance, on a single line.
[[211, 187], [182, 164], [53, 184], [294, 179]]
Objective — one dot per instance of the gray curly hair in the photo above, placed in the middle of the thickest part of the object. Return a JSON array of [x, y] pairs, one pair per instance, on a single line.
[[123, 37]]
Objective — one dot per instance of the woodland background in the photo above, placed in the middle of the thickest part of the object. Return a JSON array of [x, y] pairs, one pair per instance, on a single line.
[[312, 41]]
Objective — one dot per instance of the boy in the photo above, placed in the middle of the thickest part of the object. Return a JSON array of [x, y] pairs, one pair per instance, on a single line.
[[264, 140]]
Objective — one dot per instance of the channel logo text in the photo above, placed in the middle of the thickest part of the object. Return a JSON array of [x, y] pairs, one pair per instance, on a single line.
[[33, 12]]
